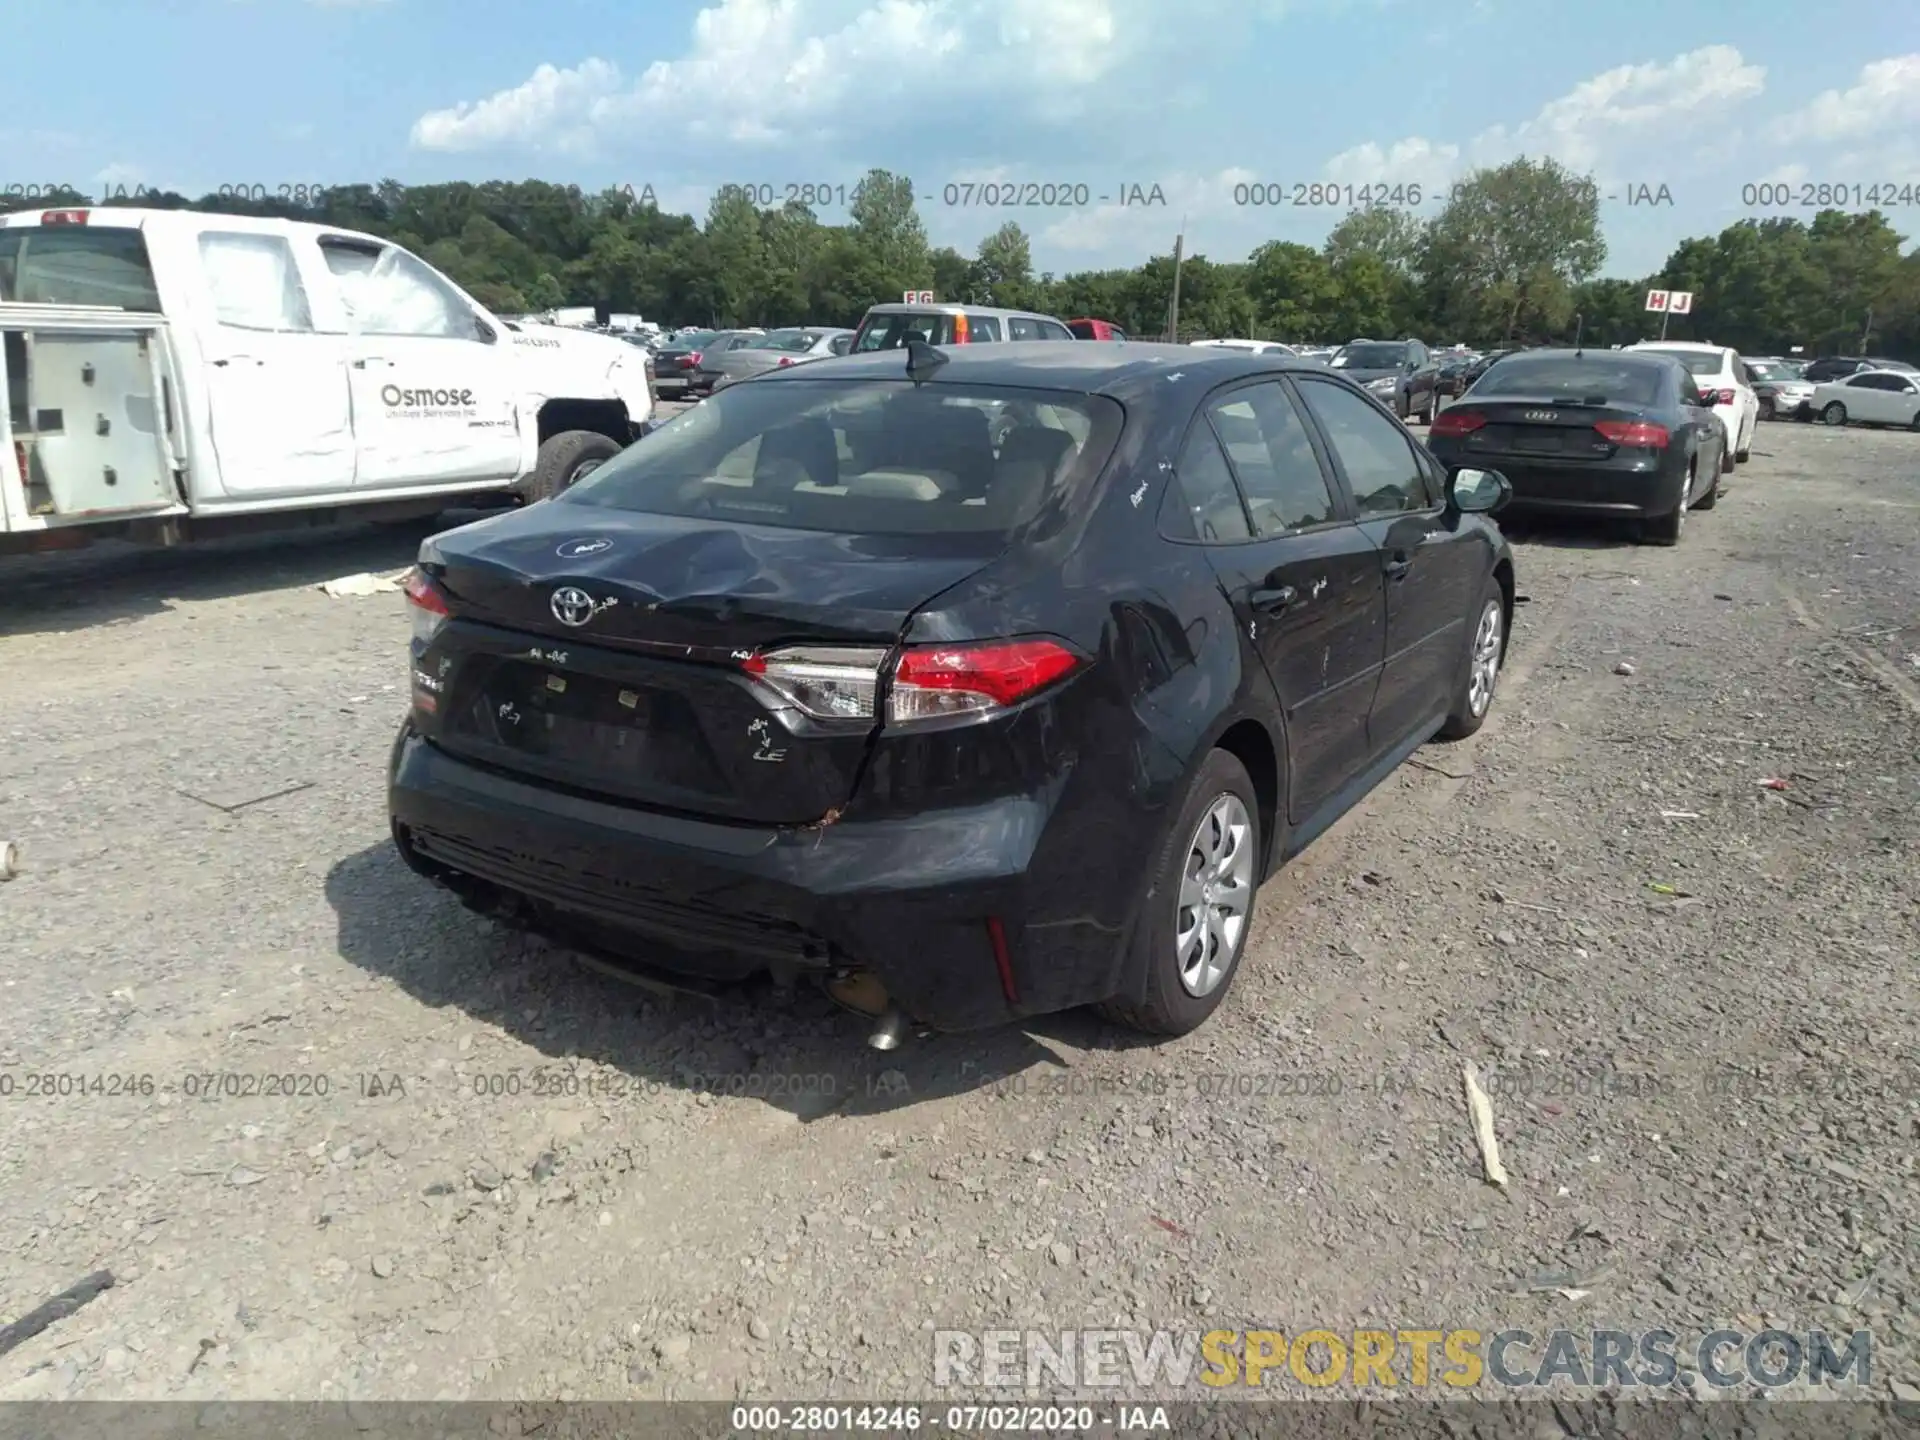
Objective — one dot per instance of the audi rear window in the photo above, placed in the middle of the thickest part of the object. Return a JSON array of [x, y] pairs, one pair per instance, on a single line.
[[863, 458], [1614, 381]]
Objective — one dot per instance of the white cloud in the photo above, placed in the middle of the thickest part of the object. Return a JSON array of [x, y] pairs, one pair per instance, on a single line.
[[554, 105], [1593, 126], [765, 72], [1885, 100]]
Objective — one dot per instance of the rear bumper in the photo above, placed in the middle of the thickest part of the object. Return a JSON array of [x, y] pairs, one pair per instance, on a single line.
[[1543, 487], [906, 898]]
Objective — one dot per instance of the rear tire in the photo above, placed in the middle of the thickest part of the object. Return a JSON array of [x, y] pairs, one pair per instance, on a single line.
[[1667, 529], [1170, 1006], [1711, 498], [1834, 414], [564, 459]]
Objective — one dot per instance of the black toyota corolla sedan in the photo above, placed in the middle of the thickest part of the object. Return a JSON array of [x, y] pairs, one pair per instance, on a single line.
[[1604, 433], [971, 683]]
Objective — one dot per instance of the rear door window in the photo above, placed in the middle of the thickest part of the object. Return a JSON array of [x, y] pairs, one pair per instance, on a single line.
[[984, 327], [867, 457], [892, 331], [1019, 327], [1266, 440], [254, 282], [77, 265]]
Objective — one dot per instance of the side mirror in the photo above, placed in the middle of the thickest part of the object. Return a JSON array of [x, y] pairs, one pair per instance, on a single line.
[[1479, 492]]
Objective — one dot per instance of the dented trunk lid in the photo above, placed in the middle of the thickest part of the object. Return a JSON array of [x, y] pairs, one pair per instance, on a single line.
[[602, 651]]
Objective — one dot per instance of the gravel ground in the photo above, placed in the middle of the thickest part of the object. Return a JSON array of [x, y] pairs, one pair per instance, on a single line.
[[1689, 995]]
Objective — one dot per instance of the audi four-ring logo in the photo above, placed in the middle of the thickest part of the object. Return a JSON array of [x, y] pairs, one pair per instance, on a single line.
[[575, 607], [1542, 415]]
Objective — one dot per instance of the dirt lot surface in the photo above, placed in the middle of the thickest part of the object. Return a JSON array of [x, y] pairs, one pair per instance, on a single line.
[[1690, 996]]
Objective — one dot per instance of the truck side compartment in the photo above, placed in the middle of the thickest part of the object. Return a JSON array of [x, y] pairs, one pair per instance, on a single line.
[[91, 426]]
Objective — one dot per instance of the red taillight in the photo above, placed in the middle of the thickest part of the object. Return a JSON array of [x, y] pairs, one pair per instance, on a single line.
[[427, 605], [1640, 433], [938, 680], [929, 682], [20, 458], [1725, 397], [785, 360], [692, 359], [63, 217], [1455, 422]]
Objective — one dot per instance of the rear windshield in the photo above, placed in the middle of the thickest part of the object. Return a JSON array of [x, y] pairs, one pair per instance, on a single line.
[[693, 341], [792, 341], [77, 265], [862, 457], [1370, 357], [1553, 377], [1698, 362], [1090, 330], [1774, 369], [891, 332]]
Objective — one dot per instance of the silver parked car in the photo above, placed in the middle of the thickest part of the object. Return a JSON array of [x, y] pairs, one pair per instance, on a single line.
[[779, 349]]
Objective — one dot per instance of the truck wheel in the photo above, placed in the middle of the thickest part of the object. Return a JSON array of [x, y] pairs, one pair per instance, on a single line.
[[565, 458]]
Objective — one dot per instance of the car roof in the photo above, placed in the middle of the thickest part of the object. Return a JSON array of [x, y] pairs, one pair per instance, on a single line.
[[955, 307], [1115, 368], [1704, 347]]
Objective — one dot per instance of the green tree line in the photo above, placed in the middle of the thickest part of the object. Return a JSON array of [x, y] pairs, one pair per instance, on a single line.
[[1514, 256]]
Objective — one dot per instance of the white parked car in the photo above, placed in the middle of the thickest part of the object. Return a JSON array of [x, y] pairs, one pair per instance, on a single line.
[[1873, 397], [1252, 347], [1721, 370]]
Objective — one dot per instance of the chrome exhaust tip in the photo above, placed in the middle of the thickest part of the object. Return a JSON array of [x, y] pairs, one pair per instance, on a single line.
[[890, 1031]]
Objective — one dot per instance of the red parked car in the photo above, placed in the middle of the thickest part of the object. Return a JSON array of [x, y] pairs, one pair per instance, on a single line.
[[1095, 330]]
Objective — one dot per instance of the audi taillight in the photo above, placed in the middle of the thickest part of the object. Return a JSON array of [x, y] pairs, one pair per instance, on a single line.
[[1641, 434], [428, 606], [926, 682], [1455, 422], [690, 360]]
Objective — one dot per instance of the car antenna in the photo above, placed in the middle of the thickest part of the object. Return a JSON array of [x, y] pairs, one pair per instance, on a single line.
[[922, 360], [1579, 328]]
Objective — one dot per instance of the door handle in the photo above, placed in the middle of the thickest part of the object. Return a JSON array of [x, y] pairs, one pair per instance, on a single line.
[[1398, 564], [236, 360], [367, 360], [1273, 598]]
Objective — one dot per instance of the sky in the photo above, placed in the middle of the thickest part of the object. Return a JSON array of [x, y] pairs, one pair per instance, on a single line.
[[1110, 123]]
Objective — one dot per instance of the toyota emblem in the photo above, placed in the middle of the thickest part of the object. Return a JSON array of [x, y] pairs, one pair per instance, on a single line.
[[573, 606], [577, 549]]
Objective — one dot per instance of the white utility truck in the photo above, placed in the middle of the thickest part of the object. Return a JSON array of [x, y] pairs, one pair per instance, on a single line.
[[172, 373]]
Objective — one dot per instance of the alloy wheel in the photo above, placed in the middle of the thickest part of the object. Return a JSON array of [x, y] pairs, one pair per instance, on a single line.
[[1483, 670], [1216, 896]]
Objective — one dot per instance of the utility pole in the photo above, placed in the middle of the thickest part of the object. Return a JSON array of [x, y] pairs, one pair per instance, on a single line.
[[1663, 323], [1173, 310]]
